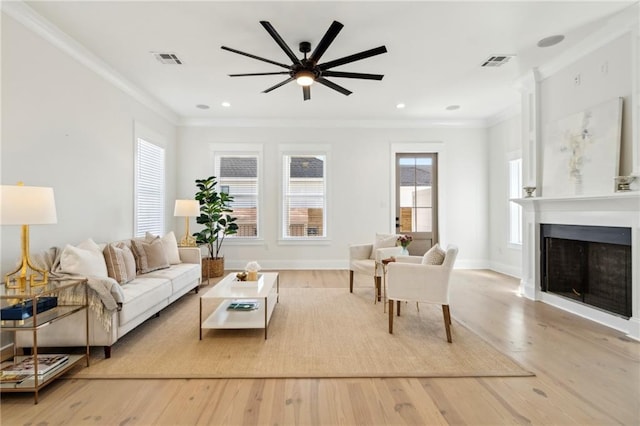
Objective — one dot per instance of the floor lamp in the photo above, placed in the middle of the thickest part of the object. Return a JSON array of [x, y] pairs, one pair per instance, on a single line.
[[24, 206], [187, 208]]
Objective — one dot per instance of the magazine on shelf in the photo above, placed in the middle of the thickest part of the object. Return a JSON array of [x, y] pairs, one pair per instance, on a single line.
[[12, 378], [26, 366], [244, 305]]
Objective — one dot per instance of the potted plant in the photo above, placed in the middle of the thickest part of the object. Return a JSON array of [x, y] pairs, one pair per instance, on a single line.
[[215, 216]]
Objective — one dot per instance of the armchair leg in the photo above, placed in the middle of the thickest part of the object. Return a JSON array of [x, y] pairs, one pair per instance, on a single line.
[[350, 281], [390, 316], [398, 305], [378, 281], [447, 321]]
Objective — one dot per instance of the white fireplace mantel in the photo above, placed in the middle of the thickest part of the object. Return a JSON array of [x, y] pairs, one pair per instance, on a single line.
[[617, 209]]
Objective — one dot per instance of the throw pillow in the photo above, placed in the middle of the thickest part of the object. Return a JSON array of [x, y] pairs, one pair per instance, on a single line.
[[383, 241], [150, 256], [435, 256], [85, 259], [170, 245], [121, 264], [129, 261], [115, 263]]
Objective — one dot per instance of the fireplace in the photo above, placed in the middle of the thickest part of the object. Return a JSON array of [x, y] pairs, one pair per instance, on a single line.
[[588, 264]]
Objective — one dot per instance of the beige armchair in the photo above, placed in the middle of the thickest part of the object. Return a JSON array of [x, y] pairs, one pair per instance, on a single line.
[[366, 259], [417, 279]]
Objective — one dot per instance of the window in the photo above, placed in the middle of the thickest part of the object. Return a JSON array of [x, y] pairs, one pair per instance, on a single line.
[[304, 196], [238, 176], [149, 189], [515, 210]]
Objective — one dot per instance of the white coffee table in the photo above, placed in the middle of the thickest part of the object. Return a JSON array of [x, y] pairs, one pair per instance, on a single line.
[[266, 291]]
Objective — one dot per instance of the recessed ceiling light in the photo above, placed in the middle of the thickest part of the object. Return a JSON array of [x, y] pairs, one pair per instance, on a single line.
[[400, 105], [202, 106], [226, 104], [453, 107], [550, 41]]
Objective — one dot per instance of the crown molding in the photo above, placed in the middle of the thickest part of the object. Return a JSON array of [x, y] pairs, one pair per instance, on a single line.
[[332, 124], [622, 23], [45, 29]]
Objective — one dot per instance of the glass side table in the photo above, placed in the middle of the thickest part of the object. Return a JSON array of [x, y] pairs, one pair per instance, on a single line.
[[29, 311]]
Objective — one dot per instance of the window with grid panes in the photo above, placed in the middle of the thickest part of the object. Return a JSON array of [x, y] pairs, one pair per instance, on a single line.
[[304, 196], [238, 176]]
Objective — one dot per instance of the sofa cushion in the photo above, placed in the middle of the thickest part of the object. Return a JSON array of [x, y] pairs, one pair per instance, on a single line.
[[383, 241], [121, 265], [142, 294], [150, 255], [170, 245], [85, 259], [180, 276], [435, 256]]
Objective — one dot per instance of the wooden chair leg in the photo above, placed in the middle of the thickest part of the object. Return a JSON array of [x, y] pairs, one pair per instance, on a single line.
[[398, 305], [390, 316], [378, 281], [350, 281], [447, 321]]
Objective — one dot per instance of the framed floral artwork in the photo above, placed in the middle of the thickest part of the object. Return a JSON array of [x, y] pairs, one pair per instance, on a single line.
[[581, 152]]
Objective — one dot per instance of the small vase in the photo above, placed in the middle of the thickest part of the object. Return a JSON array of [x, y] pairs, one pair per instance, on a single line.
[[405, 252], [252, 275]]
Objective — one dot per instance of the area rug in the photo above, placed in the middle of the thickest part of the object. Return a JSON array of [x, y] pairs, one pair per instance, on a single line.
[[313, 333]]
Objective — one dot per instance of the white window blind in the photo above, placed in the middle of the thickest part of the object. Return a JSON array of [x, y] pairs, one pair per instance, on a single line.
[[515, 210], [149, 189], [304, 196], [238, 176]]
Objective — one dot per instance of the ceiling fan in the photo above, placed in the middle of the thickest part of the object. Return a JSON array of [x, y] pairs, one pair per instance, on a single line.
[[306, 71]]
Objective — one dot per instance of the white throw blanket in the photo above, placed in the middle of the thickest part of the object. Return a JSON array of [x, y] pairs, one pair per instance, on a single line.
[[105, 294]]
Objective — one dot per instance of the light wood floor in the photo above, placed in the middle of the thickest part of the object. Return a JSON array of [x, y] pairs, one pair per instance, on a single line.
[[585, 374]]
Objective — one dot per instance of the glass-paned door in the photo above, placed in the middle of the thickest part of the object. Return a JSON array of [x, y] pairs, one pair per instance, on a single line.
[[416, 200]]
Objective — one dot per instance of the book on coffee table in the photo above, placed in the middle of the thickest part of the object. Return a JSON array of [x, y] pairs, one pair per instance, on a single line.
[[244, 305]]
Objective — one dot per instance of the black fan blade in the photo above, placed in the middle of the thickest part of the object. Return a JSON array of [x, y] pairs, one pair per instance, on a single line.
[[273, 33], [352, 75], [352, 58], [306, 92], [254, 57], [327, 39], [332, 85], [282, 83], [258, 73]]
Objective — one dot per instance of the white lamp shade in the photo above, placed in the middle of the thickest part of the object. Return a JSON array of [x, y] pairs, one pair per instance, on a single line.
[[27, 205], [187, 208]]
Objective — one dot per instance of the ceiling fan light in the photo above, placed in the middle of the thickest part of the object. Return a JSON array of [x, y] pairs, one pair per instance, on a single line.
[[305, 78]]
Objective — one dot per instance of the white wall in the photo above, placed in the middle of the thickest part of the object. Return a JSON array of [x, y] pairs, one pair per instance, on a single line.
[[603, 74], [65, 127], [360, 177], [505, 140]]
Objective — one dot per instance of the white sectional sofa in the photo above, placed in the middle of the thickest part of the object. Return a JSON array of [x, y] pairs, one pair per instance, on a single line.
[[140, 298]]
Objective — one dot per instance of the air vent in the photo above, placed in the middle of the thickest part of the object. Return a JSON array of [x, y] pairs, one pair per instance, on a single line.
[[497, 60], [167, 58]]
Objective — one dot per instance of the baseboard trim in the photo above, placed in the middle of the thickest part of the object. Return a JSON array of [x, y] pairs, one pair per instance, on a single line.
[[512, 271]]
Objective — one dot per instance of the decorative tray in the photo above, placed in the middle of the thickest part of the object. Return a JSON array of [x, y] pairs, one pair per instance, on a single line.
[[236, 283], [24, 310]]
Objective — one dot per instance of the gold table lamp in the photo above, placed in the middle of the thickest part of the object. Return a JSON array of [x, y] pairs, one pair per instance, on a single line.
[[24, 206], [187, 208]]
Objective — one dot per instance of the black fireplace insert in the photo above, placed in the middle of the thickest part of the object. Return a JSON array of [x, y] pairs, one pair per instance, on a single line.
[[589, 264]]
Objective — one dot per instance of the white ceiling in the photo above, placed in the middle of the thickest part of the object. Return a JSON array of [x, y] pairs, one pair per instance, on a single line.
[[435, 52]]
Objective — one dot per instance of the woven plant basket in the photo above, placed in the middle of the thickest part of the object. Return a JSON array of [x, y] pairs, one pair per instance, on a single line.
[[213, 268]]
